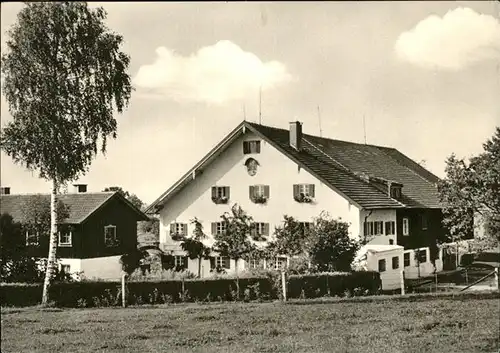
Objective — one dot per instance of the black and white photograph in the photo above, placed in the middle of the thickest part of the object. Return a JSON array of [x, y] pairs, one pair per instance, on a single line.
[[252, 177]]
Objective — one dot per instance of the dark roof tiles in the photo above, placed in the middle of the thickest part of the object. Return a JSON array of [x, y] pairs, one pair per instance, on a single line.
[[339, 162], [80, 205]]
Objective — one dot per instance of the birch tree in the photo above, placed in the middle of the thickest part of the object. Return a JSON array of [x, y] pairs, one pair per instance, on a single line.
[[64, 75]]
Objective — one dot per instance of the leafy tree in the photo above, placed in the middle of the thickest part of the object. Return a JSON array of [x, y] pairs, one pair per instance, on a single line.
[[133, 198], [36, 213], [236, 240], [13, 246], [290, 238], [132, 260], [473, 189], [64, 76], [329, 246], [194, 246]]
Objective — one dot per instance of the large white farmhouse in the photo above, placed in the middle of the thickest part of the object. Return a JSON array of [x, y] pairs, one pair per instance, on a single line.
[[270, 172]]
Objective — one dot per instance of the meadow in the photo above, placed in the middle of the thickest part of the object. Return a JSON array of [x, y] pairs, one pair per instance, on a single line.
[[418, 324]]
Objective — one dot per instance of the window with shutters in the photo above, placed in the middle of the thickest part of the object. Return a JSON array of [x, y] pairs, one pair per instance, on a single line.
[[110, 236], [259, 193], [304, 193], [178, 230], [218, 228], [260, 229], [406, 226], [390, 228], [251, 147], [32, 238], [406, 259], [256, 264], [381, 265], [305, 227], [220, 262], [373, 228], [220, 194], [395, 262]]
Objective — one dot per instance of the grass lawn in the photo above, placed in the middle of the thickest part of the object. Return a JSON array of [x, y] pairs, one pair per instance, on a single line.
[[436, 325]]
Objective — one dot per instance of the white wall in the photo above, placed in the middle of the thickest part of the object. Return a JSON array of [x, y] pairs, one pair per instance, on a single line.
[[101, 267], [391, 278], [379, 215], [426, 268], [275, 170]]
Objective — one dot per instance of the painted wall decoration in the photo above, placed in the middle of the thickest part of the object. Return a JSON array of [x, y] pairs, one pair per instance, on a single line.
[[252, 166]]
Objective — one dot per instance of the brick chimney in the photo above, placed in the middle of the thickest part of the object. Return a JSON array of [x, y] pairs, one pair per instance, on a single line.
[[80, 188], [4, 190], [296, 135]]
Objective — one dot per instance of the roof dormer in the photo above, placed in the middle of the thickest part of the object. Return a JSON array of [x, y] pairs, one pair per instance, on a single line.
[[395, 190]]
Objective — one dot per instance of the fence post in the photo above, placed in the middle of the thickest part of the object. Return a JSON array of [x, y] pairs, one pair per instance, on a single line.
[[436, 280], [497, 284], [283, 284], [124, 296], [402, 281]]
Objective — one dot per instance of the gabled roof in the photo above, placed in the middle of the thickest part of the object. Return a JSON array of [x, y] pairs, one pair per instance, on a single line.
[[343, 166], [81, 205]]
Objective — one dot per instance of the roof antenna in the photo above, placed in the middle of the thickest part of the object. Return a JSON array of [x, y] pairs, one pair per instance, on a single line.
[[260, 104], [364, 127], [319, 120]]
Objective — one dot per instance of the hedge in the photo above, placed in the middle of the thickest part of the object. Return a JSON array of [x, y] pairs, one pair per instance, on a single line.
[[99, 294]]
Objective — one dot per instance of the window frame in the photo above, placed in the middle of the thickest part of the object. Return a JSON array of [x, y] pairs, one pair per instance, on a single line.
[[66, 266], [178, 229], [219, 261], [406, 226], [277, 260], [380, 267], [220, 194], [406, 256], [395, 262], [390, 228], [180, 261], [68, 244], [114, 242], [396, 192], [419, 256], [251, 146], [373, 228], [261, 228], [220, 227], [34, 235], [424, 221], [256, 264]]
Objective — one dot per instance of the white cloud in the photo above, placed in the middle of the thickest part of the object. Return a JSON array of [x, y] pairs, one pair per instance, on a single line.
[[214, 74], [460, 38]]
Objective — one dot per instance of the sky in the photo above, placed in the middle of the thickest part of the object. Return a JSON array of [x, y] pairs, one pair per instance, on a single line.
[[424, 75]]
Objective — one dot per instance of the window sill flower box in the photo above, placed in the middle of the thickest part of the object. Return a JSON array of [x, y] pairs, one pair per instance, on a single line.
[[220, 200], [304, 198], [176, 236], [259, 199]]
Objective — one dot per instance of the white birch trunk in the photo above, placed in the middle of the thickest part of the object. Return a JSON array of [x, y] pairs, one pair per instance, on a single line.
[[51, 259]]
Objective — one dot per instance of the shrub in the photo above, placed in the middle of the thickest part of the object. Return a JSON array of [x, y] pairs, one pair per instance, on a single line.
[[266, 286], [332, 284]]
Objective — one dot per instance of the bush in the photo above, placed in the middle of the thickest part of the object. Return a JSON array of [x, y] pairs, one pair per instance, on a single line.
[[333, 284], [265, 286]]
